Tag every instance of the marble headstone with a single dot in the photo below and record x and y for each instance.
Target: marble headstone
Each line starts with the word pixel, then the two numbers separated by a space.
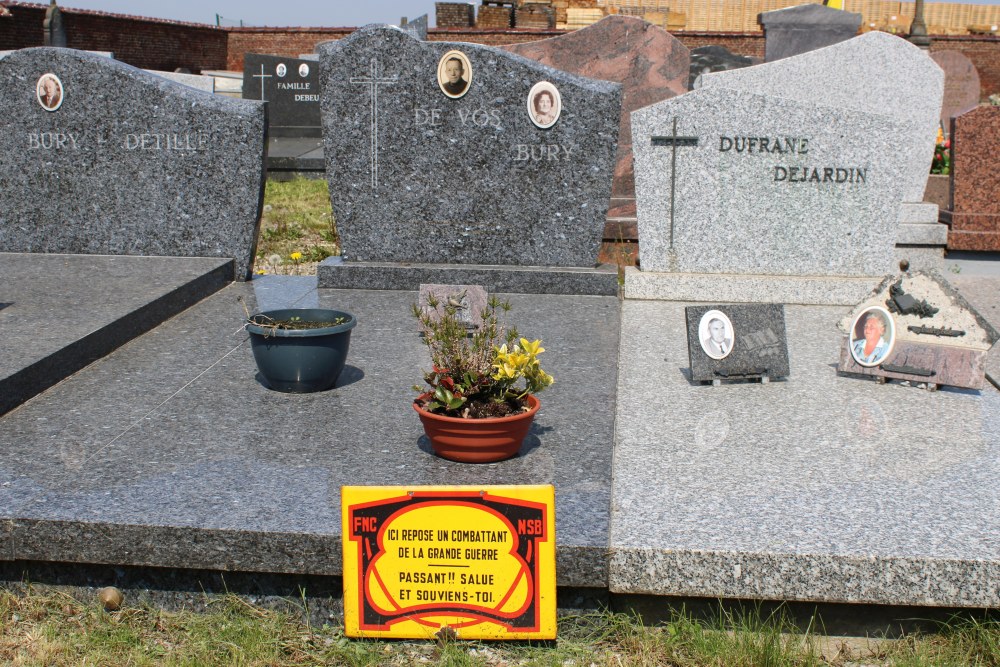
pixel 875 73
pixel 290 86
pixel 729 182
pixel 125 163
pixel 794 30
pixel 417 175
pixel 961 84
pixel 975 181
pixel 650 63
pixel 752 343
pixel 714 58
pixel 929 334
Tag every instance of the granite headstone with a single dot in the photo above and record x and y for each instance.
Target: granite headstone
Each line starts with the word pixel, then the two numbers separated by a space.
pixel 417 27
pixel 290 86
pixel 961 84
pixel 471 176
pixel 975 181
pixel 54 32
pixel 469 302
pixel 729 182
pixel 794 30
pixel 714 58
pixel 650 63
pixel 736 342
pixel 875 73
pixel 919 330
pixel 102 158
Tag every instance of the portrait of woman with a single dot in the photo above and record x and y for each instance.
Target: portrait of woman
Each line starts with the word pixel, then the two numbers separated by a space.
pixel 873 334
pixel 49 90
pixel 454 74
pixel 715 331
pixel 544 104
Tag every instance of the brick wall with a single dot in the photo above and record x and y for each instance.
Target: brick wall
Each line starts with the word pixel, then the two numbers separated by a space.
pixel 750 44
pixel 454 14
pixel 138 41
pixel 983 51
pixel 493 18
pixel 290 42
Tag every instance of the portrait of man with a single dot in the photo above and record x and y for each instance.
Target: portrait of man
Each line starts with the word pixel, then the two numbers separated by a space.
pixel 49 90
pixel 303 70
pixel 716 334
pixel 544 104
pixel 872 336
pixel 454 74
pixel 281 70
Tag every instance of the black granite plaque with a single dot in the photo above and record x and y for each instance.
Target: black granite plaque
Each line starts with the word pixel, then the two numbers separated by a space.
pixel 290 86
pixel 737 342
pixel 707 59
pixel 100 158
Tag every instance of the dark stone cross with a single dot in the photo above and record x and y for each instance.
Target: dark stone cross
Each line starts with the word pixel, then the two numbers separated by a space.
pixel 262 76
pixel 373 81
pixel 674 141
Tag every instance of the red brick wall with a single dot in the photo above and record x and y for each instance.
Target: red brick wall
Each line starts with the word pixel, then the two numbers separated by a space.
pixel 290 42
pixel 983 51
pixel 142 42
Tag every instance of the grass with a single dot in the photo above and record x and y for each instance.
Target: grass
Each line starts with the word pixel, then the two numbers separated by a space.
pixel 297 228
pixel 52 628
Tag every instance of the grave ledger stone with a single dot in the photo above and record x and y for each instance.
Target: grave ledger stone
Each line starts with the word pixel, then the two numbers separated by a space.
pixel 794 30
pixel 290 86
pixel 728 182
pixel 974 220
pixel 878 74
pixel 472 171
pixel 736 342
pixel 99 157
pixel 961 84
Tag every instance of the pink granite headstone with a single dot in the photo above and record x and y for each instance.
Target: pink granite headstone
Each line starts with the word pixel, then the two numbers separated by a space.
pixel 975 181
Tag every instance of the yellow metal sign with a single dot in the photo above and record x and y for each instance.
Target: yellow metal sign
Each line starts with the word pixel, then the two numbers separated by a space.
pixel 480 560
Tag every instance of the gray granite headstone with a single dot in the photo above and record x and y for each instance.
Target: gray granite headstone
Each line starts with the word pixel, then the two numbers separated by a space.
pixel 129 163
pixel 203 83
pixel 418 176
pixel 728 182
pixel 417 27
pixel 876 73
pixel 54 30
pixel 714 58
pixel 751 341
pixel 961 85
pixel 290 86
pixel 794 30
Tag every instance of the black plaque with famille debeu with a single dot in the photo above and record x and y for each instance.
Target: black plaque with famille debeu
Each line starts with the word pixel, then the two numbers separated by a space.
pixel 728 343
pixel 290 86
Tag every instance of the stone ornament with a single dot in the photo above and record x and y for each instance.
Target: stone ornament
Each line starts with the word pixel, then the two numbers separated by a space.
pixel 715 331
pixel 544 104
pixel 873 335
pixel 454 74
pixel 49 90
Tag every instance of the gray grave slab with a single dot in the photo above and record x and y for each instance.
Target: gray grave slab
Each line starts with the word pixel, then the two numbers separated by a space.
pixel 128 164
pixel 294 154
pixel 795 30
pixel 61 312
pixel 417 176
pixel 820 487
pixel 206 84
pixel 170 452
pixel 876 73
pixel 722 200
pixel 290 86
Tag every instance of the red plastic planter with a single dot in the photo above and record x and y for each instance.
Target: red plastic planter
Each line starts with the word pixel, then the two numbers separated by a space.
pixel 477 440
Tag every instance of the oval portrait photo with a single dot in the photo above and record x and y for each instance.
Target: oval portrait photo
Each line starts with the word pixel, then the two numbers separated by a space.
pixel 715 331
pixel 872 336
pixel 454 74
pixel 544 104
pixel 50 91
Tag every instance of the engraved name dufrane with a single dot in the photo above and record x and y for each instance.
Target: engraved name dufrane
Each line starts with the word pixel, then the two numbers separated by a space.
pixel 788 173
pixel 131 141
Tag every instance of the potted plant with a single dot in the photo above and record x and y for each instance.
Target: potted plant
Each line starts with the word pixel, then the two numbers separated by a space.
pixel 480 400
pixel 300 350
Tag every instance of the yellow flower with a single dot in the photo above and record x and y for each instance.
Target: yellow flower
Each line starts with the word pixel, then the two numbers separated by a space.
pixel 295 256
pixel 532 349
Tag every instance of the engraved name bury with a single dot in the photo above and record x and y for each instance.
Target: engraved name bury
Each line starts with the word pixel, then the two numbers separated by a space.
pixel 131 141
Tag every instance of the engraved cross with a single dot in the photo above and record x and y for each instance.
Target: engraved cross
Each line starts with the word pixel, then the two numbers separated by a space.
pixel 674 141
pixel 373 81
pixel 262 76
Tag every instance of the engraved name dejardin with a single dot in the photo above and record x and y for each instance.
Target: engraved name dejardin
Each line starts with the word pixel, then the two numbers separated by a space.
pixel 792 146
pixel 146 141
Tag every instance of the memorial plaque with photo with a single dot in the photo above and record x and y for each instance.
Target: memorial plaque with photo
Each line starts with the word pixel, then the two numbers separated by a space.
pixel 290 86
pixel 469 301
pixel 737 342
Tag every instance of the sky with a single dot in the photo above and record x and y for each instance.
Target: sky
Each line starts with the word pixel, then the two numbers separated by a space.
pixel 329 14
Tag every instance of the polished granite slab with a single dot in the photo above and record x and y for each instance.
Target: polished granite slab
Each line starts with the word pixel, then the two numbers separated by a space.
pixel 171 453
pixel 819 487
pixel 62 312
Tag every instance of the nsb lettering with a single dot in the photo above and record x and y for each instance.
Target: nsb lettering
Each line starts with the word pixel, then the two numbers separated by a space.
pixel 52 140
